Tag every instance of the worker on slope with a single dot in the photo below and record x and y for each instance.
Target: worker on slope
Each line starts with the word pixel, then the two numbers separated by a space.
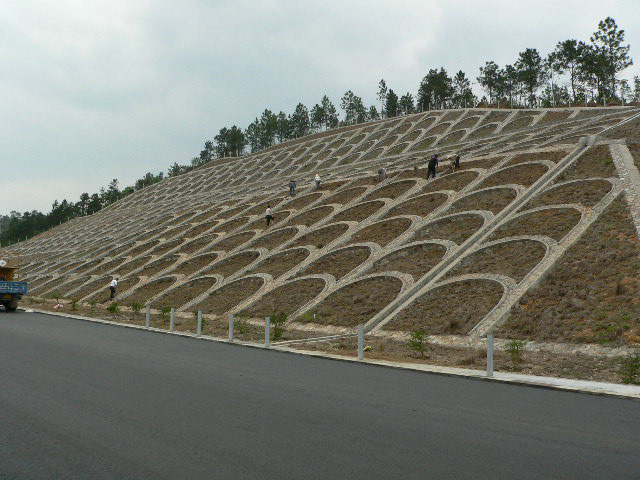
pixel 432 165
pixel 112 288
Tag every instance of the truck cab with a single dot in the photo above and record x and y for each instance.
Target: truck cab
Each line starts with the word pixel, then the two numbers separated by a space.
pixel 11 290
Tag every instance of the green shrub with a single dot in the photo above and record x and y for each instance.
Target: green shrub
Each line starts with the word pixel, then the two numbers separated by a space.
pixel 92 304
pixel 515 348
pixel 418 341
pixel 278 319
pixel 136 307
pixel 164 312
pixel 630 369
pixel 74 304
pixel 113 307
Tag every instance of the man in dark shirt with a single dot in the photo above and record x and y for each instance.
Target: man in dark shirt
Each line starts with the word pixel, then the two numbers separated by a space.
pixel 456 162
pixel 431 167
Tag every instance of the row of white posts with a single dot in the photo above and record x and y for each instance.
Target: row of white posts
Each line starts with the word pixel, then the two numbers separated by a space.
pixel 267 334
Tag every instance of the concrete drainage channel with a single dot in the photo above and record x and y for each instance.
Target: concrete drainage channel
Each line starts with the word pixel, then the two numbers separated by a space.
pixel 581 386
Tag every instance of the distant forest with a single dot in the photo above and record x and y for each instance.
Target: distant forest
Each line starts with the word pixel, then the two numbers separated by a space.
pixel 575 73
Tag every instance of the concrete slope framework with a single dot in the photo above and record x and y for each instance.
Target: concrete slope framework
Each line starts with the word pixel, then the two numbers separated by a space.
pixel 454 255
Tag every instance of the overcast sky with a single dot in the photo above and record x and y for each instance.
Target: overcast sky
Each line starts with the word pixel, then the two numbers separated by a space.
pixel 92 90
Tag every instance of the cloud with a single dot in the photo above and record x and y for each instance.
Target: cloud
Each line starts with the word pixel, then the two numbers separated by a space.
pixel 99 89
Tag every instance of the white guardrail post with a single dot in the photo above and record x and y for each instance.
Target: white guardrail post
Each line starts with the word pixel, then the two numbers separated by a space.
pixel 199 329
pixel 490 354
pixel 361 341
pixel 231 327
pixel 267 332
pixel 148 321
pixel 172 321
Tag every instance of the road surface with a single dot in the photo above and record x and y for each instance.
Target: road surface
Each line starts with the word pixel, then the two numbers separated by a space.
pixel 83 400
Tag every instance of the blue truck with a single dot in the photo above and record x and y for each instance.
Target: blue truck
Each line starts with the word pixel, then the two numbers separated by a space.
pixel 11 291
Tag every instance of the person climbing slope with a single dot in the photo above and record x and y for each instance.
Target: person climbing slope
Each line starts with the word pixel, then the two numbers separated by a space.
pixel 432 165
pixel 269 215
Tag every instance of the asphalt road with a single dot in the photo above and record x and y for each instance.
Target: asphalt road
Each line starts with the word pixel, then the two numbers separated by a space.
pixel 81 400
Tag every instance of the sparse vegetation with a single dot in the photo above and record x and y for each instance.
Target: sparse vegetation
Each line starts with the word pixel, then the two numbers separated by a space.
pixel 515 349
pixel 113 308
pixel 630 368
pixel 417 342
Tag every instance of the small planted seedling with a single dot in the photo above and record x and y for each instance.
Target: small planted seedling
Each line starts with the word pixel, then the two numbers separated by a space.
pixel 630 369
pixel 515 348
pixel 418 342
pixel 136 307
pixel 74 304
pixel 113 308
pixel 278 319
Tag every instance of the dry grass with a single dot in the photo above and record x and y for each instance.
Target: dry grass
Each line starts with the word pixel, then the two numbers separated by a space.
pixel 198 243
pixel 159 265
pixel 554 223
pixel 338 263
pixel 524 175
pixel 421 205
pixel 142 294
pixel 231 265
pixel 286 298
pixel 493 200
pixel 415 260
pixel 514 259
pixel 457 229
pixel 357 302
pixel 454 181
pixel 451 309
pixel 585 193
pixel 194 264
pixel 184 293
pixel 630 130
pixel 225 298
pixel 554 117
pixel 233 241
pixel 383 232
pixel 281 262
pixel 322 236
pixel 467 122
pixel 312 216
pixel 482 131
pixel 452 137
pixel 359 212
pixel 392 191
pixel 345 196
pixel 275 239
pixel 518 123
pixel 132 265
pixel 593 292
pixel 595 162
pixel 554 156
pixel 166 246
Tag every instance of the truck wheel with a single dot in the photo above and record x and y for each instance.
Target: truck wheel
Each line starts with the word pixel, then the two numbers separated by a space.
pixel 11 305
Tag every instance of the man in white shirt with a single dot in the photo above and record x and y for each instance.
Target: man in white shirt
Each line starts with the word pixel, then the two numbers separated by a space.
pixel 317 181
pixel 269 215
pixel 112 287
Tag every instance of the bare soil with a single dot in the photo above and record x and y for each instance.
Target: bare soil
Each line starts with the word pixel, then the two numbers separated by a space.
pixel 198 243
pixel 231 212
pixel 159 265
pixel 144 293
pixel 518 123
pixel 91 286
pixel 280 263
pixel 595 162
pixel 421 205
pixel 198 229
pixel 482 131
pixel 425 123
pixel 634 149
pixel 587 193
pixel 554 223
pixel 457 229
pixel 415 260
pixel 454 308
pixel 286 298
pixel 514 259
pixel 483 163
pixel 581 367
pixel 554 117
pixel 356 303
pixel 592 294
pixel 102 296
pixel 554 156
pixel 411 137
pixel 493 200
pixel 231 265
pixel 454 181
pixel 109 267
pixel 338 263
pixel 231 242
pixel 524 175
pixel 396 149
pixel 467 122
pixel 206 215
pixel 363 147
pixel 495 116
pixel 312 216
pixel 359 212
pixel 392 191
pixel 194 264
pixel 343 150
pixel 424 144
pixel 166 246
pixel 85 267
pixel 225 298
pixel 439 128
pixel 349 159
pixel 184 293
pixel 630 130
pixel 61 289
pixel 322 236
pixel 452 137
pixel 132 265
pixel 300 202
pixel 383 232
pixel 345 196
pixel 356 139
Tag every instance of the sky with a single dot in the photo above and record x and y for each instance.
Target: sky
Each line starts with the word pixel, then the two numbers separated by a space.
pixel 92 90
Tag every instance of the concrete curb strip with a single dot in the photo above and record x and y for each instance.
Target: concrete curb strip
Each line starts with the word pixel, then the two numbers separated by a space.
pixel 565 384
